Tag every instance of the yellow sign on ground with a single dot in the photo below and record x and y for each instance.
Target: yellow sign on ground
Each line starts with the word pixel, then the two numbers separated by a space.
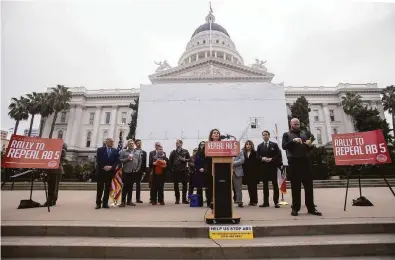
pixel 231 232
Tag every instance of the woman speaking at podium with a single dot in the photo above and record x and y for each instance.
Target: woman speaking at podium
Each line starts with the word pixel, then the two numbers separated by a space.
pixel 215 135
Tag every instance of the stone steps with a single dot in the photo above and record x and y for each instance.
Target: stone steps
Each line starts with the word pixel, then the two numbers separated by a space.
pixel 200 248
pixel 169 186
pixel 189 240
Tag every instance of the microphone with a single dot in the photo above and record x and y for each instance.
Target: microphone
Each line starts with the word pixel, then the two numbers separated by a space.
pixel 227 136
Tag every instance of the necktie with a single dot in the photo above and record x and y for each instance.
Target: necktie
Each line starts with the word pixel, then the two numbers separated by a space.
pixel 266 145
pixel 108 152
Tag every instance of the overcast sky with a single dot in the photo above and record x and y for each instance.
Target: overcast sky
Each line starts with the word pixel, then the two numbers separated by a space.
pixel 113 44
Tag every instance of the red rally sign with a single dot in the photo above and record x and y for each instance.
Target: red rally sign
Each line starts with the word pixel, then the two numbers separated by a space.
pixel 222 148
pixel 360 148
pixel 32 152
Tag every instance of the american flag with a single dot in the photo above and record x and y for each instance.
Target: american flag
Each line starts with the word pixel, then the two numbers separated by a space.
pixel 281 177
pixel 116 184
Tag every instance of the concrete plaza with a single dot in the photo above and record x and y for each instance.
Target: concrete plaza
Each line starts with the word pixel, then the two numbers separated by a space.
pixel 77 207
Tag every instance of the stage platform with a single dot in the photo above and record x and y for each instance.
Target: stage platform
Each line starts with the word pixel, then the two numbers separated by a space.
pixel 74 228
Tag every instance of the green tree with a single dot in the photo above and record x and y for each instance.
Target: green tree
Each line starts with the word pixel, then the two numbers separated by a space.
pixel 61 97
pixel 388 99
pixel 364 118
pixel 300 109
pixel 368 119
pixel 133 122
pixel 18 111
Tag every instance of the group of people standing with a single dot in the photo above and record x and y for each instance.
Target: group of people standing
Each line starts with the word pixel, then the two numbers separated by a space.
pixel 250 167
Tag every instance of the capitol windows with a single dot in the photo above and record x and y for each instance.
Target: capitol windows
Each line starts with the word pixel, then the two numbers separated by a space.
pixel 88 139
pixel 107 118
pixel 332 115
pixel 217 41
pixel 105 136
pixel 123 117
pixel 204 41
pixel 334 130
pixel 91 117
pixel 315 115
pixel 63 117
pixel 319 136
pixel 60 134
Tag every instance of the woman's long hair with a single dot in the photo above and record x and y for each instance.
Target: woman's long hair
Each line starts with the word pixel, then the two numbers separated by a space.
pixel 200 150
pixel 252 146
pixel 211 133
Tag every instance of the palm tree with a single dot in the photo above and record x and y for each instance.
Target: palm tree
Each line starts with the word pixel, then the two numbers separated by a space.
pixel 388 100
pixel 61 97
pixel 351 103
pixel 18 111
pixel 33 107
pixel 46 109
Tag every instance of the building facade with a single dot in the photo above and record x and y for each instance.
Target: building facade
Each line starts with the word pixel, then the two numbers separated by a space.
pixel 210 60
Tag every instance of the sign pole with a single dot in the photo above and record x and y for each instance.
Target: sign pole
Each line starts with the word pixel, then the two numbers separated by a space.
pixel 45 188
pixel 348 182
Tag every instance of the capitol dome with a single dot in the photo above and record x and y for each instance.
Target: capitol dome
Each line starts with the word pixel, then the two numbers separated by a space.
pixel 221 47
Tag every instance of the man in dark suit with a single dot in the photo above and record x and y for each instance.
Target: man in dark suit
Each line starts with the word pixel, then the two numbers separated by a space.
pixel 142 170
pixel 107 159
pixel 270 155
pixel 298 143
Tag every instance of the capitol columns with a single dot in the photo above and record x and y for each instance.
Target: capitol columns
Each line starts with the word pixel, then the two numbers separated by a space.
pixel 96 126
pixel 76 135
pixel 114 122
pixel 327 122
pixel 70 123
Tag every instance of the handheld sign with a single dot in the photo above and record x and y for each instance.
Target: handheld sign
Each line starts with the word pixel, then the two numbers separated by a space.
pixel 360 148
pixel 33 152
pixel 231 232
pixel 222 148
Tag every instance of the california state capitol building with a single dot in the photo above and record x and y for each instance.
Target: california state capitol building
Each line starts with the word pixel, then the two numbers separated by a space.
pixel 210 87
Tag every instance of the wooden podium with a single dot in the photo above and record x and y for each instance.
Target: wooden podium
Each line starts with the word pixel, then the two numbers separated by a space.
pixel 222 165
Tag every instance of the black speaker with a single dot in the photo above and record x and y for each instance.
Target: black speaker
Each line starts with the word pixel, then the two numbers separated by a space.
pixel 222 190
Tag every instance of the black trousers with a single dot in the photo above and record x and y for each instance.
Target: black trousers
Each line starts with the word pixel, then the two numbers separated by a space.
pixel 103 186
pixel 177 190
pixel 180 177
pixel 253 192
pixel 300 172
pixel 157 187
pixel 128 179
pixel 138 186
pixel 276 193
pixel 53 187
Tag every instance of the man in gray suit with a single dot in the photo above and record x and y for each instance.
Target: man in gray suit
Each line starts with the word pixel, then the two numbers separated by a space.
pixel 237 177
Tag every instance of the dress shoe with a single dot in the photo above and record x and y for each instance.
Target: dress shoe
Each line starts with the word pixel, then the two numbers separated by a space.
pixel 97 207
pixel 294 213
pixel 315 212
pixel 277 206
pixel 106 207
pixel 139 201
pixel 240 205
pixel 162 203
pixel 185 202
pixel 264 205
pixel 177 202
pixel 122 205
pixel 153 203
pixel 131 204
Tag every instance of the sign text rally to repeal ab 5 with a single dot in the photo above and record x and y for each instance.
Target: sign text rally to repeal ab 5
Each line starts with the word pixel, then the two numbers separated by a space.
pixel 33 152
pixel 360 148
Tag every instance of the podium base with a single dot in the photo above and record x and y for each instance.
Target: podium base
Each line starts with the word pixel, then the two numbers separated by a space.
pixel 210 219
